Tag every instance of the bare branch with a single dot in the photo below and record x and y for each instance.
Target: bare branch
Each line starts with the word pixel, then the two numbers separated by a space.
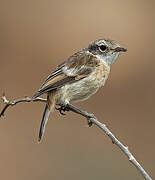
pixel 91 118
pixel 16 101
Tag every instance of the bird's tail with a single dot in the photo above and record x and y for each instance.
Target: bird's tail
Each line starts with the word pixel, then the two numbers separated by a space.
pixel 48 108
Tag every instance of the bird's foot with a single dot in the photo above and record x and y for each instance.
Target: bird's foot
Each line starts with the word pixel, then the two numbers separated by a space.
pixel 62 109
pixel 90 123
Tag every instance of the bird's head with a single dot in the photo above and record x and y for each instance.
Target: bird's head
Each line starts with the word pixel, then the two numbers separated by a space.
pixel 106 49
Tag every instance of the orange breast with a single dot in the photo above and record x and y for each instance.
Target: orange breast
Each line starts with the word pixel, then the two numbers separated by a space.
pixel 102 73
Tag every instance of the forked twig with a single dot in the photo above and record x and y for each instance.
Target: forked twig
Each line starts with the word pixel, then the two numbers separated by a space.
pixel 91 118
pixel 16 101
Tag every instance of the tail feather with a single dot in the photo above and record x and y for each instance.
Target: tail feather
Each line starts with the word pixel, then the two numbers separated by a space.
pixel 48 108
pixel 43 122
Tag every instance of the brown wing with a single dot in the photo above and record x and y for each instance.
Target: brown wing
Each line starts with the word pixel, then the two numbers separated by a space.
pixel 78 66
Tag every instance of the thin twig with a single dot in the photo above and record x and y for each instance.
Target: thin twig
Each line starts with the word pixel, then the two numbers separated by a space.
pixel 16 101
pixel 91 118
pixel 103 127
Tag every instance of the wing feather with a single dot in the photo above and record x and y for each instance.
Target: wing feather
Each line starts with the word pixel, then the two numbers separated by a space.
pixel 78 66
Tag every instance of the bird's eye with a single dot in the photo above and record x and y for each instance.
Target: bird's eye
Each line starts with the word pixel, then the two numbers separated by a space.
pixel 102 48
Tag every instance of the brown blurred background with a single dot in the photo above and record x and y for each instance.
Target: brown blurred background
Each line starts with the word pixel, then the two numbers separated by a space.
pixel 35 36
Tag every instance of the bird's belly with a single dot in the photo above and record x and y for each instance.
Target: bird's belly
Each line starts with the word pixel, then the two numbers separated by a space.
pixel 81 89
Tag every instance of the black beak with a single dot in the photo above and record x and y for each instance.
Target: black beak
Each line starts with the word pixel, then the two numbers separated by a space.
pixel 120 49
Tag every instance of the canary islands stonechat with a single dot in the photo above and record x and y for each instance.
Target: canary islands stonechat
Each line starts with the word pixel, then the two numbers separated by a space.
pixel 79 77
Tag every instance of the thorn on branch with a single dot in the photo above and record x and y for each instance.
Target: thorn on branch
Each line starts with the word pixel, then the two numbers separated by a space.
pixel 4 99
pixel 126 148
pixel 131 158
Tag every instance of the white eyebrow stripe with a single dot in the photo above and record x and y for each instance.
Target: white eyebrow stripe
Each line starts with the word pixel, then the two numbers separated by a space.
pixel 102 42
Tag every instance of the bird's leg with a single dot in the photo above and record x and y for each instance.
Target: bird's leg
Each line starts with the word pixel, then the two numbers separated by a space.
pixel 70 107
pixel 63 108
pixel 89 122
pixel 81 112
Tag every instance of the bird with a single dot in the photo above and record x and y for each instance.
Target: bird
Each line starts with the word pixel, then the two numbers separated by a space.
pixel 78 77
